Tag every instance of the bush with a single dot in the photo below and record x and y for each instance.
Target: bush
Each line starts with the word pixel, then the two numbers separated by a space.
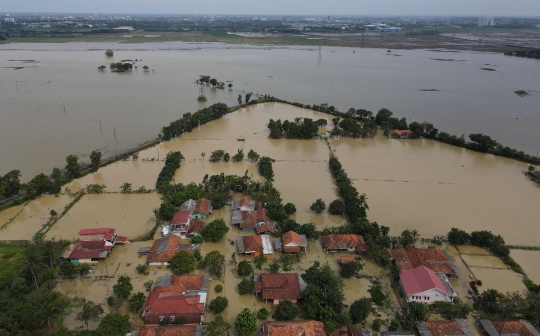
pixel 458 237
pixel 197 255
pixel 218 304
pixel 215 230
pixel 259 261
pixel 245 287
pixel 337 207
pixel 318 206
pixel 141 268
pixel 123 287
pixel 376 325
pixel 111 301
pixel 289 208
pixel 360 310
pixel 136 302
pixel 182 263
pixel 350 269
pixel 263 313
pixel 286 310
pixel 244 268
pixel 196 240
pixel 394 325
pixel 218 288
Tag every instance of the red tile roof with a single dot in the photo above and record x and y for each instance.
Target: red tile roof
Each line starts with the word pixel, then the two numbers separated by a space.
pixel 166 255
pixel 346 259
pixel 266 227
pixel 348 330
pixel 170 330
pixel 169 303
pixel 420 279
pixel 96 231
pixel 434 259
pixel 284 286
pixel 89 249
pixel 202 206
pixel 291 242
pixel 195 226
pixel 253 243
pixel 181 217
pixel 293 328
pixel 182 283
pixel 444 328
pixel 402 132
pixel 244 202
pixel 516 327
pixel 331 242
pixel 230 194
pixel 250 219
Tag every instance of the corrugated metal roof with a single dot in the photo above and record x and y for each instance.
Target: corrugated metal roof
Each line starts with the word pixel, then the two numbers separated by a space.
pixel 449 289
pixel 163 281
pixel 278 244
pixel 303 239
pixel 240 244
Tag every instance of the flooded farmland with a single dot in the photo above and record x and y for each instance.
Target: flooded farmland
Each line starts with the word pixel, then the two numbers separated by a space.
pixel 528 260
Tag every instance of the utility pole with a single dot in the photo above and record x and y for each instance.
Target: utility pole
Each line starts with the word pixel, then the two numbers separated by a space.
pixel 319 58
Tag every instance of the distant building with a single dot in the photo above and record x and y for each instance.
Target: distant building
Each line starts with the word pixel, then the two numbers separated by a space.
pixel 457 327
pixel 422 285
pixel 436 260
pixel 89 251
pixel 388 29
pixel 293 328
pixel 343 243
pixel 350 330
pixel 402 134
pixel 298 26
pixel 254 220
pixel 486 21
pixel 124 28
pixel 107 234
pixel 509 327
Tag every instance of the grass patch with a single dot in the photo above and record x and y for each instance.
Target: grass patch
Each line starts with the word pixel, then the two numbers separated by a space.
pixel 521 93
pixel 377 295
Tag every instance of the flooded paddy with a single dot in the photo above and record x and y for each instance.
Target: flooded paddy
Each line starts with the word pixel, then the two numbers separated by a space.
pixel 483 261
pixel 9 214
pixel 529 261
pixel 503 280
pixel 33 216
pixel 130 214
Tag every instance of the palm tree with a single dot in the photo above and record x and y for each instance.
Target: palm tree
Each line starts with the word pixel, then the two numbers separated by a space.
pixel 363 198
pixel 135 156
pixel 47 249
pixel 32 257
pixel 126 187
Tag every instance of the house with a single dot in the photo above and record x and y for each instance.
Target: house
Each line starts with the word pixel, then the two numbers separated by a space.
pixel 188 205
pixel 195 228
pixel 87 251
pixel 257 221
pixel 343 243
pixel 457 327
pixel 402 134
pixel 291 242
pixel 347 259
pixel 230 194
pixel 172 330
pixel 509 327
pixel 422 285
pixel 165 248
pixel 176 297
pixel 535 173
pixel 293 328
pixel 106 234
pixel 255 245
pixel 243 204
pixel 203 208
pixel 350 330
pixel 180 222
pixel 277 287
pixel 435 259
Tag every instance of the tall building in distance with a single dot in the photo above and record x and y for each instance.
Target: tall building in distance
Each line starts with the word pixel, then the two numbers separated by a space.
pixel 485 21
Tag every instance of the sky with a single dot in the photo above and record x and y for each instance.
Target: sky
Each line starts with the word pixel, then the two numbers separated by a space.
pixel 281 7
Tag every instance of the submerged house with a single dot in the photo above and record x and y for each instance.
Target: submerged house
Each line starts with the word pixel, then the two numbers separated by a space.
pixel 402 134
pixel 196 227
pixel 350 330
pixel 243 204
pixel 343 243
pixel 457 327
pixel 179 224
pixel 277 287
pixel 176 297
pixel 107 234
pixel 203 208
pixel 291 242
pixel 436 260
pixel 509 327
pixel 255 220
pixel 172 330
pixel 88 251
pixel 255 245
pixel 293 328
pixel 422 285
pixel 165 248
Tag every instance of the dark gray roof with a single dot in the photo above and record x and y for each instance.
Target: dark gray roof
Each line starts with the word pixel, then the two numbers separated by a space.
pixel 451 261
pixel 163 281
pixel 303 240
pixel 449 289
pixel 144 250
pixel 236 217
pixel 240 244
pixel 163 243
pixel 278 244
pixel 188 205
pixel 365 332
pixel 206 280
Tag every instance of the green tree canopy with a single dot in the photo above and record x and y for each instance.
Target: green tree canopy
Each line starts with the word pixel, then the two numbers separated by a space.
pixel 245 286
pixel 136 302
pixel 218 304
pixel 350 269
pixel 318 206
pixel 286 310
pixel 244 268
pixel 73 167
pixel 215 230
pixel 245 323
pixel 95 158
pixel 458 237
pixel 89 311
pixel 337 207
pixel 289 208
pixel 114 324
pixel 218 327
pixel 182 263
pixel 123 287
pixel 360 310
pixel 214 261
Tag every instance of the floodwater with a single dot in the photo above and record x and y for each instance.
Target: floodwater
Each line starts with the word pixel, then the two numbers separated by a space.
pixel 503 280
pixel 33 217
pixel 484 261
pixel 130 214
pixel 432 187
pixel 528 260
pixel 69 107
pixel 10 214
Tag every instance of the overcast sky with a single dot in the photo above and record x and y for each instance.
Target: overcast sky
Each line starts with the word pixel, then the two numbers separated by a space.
pixel 291 7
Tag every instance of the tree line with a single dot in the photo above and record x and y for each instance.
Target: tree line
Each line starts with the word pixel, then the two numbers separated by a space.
pixel 190 121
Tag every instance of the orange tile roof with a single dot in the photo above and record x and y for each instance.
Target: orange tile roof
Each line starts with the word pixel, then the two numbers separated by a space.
pixel 348 330
pixel 346 259
pixel 291 237
pixel 202 206
pixel 284 286
pixel 244 202
pixel 250 219
pixel 170 330
pixel 293 328
pixel 166 255
pixel 253 243
pixel 266 227
pixel 516 327
pixel 444 328
pixel 434 259
pixel 195 226
pixel 402 132
pixel 331 242
pixel 182 283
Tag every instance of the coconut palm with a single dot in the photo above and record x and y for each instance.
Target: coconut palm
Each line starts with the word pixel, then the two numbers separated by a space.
pixel 126 187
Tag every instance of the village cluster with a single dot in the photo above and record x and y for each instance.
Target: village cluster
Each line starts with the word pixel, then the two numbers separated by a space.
pixel 424 275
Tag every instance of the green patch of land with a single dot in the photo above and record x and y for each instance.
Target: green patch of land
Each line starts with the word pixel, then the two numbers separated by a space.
pixel 521 93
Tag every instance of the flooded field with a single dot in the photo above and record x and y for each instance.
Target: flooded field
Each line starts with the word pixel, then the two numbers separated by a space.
pixel 9 214
pixel 120 111
pixel 33 217
pixel 130 214
pixel 529 261
pixel 503 280
pixel 432 187
pixel 483 261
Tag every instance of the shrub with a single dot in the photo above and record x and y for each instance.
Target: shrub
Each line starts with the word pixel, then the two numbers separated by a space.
pixel 289 208
pixel 263 313
pixel 318 206
pixel 218 288
pixel 218 304
pixel 286 310
pixel 182 263
pixel 360 310
pixel 337 207
pixel 136 302
pixel 376 325
pixel 244 268
pixel 196 240
pixel 141 268
pixel 245 287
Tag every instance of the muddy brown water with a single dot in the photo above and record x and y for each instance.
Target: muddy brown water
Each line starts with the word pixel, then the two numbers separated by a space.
pixel 528 260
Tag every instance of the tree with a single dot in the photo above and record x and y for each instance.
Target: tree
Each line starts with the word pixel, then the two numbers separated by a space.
pixel 483 142
pixel 218 327
pixel 245 286
pixel 265 167
pixel 239 156
pixel 289 208
pixel 146 67
pixel 248 97
pixel 318 206
pixel 213 82
pixel 218 288
pixel 89 311
pixel 218 304
pixel 215 230
pixel 126 188
pixel 394 272
pixel 274 267
pixel 83 269
pixel 148 285
pixel 458 237
pixel 259 261
pixel 226 157
pixel 214 261
pixel 114 324
pixel 136 302
pixel 253 155
pixel 245 323
pixel 350 269
pixel 263 313
pixel 73 167
pixel 408 238
pixel 376 326
pixel 321 122
pixel 286 310
pixel 360 310
pixel 230 86
pixel 244 268
pixel 203 154
pixel 182 263
pixel 383 116
pixel 123 287
pixel 109 53
pixel 456 309
pixel 337 207
pixel 67 270
pixel 414 312
pixel 135 157
pixel 95 158
pixel 394 325
pixel 197 240
pixel 240 99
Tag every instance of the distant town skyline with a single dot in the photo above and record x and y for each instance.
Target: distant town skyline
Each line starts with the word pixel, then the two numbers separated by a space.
pixel 280 7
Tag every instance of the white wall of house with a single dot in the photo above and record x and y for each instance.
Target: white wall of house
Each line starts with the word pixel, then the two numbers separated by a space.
pixel 429 297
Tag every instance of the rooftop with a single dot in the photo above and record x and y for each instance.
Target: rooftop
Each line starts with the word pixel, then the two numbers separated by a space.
pixel 165 248
pixel 336 242
pixel 195 226
pixel 181 217
pixel 171 330
pixel 293 328
pixel 203 206
pixel 284 286
pixel 434 259
pixel 444 328
pixel 420 279
pixel 350 330
pixel 509 327
pixel 97 231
